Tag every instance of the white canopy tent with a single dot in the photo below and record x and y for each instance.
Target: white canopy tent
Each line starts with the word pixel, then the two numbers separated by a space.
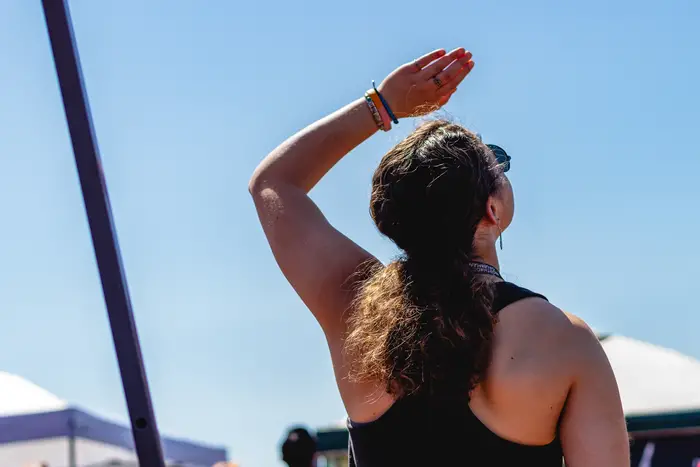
pixel 660 390
pixel 19 396
pixel 39 428
pixel 652 379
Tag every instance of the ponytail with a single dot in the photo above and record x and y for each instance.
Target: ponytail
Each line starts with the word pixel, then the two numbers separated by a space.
pixel 422 324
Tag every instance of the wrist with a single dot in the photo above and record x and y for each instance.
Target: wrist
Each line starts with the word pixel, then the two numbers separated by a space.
pixel 385 104
pixel 379 112
pixel 369 122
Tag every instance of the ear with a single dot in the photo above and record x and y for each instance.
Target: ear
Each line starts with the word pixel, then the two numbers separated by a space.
pixel 492 212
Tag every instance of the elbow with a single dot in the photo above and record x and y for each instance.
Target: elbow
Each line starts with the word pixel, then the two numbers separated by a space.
pixel 260 184
pixel 253 185
pixel 256 182
pixel 266 177
pixel 263 176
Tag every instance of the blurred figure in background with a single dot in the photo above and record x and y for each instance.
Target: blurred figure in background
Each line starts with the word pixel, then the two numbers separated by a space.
pixel 299 448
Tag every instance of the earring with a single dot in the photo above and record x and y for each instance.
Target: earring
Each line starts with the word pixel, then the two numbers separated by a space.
pixel 500 233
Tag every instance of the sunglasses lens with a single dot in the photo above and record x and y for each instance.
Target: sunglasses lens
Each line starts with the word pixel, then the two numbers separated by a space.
pixel 502 158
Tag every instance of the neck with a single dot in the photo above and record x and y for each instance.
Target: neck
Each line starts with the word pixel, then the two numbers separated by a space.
pixel 487 255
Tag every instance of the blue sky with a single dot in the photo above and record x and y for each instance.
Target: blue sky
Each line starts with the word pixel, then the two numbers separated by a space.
pixel 597 103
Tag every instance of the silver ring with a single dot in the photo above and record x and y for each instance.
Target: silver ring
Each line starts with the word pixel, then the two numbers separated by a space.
pixel 437 81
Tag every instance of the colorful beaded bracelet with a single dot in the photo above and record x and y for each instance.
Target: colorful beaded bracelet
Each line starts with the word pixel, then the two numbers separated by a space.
pixel 375 112
pixel 380 108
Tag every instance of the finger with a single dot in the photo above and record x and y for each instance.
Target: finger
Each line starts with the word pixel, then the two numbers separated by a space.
pixel 451 72
pixel 426 60
pixel 439 65
pixel 453 78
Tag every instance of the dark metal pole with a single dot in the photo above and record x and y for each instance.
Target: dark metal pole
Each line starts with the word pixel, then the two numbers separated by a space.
pixel 104 239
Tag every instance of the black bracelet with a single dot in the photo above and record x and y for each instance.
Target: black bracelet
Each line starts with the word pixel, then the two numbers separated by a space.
pixel 386 105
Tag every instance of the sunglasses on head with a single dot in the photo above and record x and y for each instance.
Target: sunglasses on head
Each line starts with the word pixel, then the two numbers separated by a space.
pixel 502 157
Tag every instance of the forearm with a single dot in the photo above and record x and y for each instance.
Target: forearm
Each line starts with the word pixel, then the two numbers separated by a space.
pixel 307 156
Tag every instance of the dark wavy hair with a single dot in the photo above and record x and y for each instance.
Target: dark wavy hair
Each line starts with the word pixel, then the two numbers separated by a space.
pixel 423 323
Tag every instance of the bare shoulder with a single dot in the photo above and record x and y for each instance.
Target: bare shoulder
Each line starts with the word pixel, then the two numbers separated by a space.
pixel 542 330
pixel 539 354
pixel 582 340
pixel 536 317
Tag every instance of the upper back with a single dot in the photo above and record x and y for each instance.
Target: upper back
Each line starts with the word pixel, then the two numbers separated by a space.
pixel 529 375
pixel 512 415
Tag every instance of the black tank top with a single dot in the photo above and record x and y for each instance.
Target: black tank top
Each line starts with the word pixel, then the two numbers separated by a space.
pixel 424 431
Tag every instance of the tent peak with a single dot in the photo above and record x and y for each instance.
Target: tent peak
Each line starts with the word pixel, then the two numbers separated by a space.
pixel 19 396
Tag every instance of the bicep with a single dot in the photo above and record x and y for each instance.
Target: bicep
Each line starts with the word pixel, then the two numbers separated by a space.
pixel 317 260
pixel 593 429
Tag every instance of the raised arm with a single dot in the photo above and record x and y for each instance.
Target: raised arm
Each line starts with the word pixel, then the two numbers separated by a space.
pixel 317 259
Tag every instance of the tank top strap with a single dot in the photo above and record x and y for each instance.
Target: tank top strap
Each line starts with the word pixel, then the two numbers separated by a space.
pixel 507 293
